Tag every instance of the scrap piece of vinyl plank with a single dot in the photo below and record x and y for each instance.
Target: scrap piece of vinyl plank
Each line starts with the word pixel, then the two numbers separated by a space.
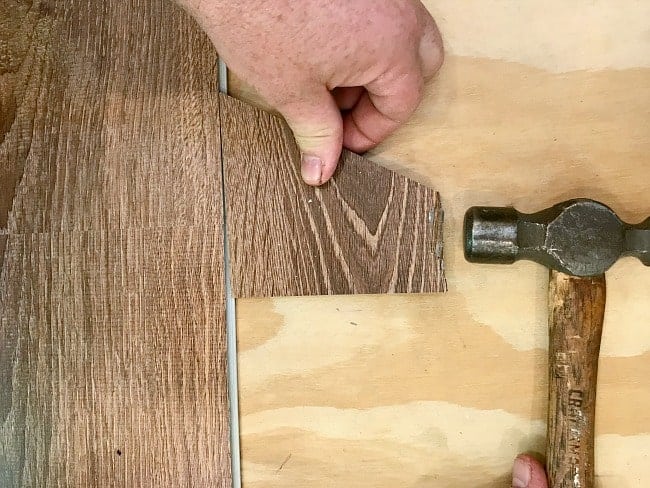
pixel 367 231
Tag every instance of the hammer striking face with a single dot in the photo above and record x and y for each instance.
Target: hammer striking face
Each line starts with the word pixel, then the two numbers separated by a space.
pixel 578 237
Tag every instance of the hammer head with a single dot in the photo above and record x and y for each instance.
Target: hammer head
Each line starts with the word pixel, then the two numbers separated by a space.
pixel 579 237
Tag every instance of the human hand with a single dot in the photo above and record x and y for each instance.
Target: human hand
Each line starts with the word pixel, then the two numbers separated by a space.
pixel 527 472
pixel 314 59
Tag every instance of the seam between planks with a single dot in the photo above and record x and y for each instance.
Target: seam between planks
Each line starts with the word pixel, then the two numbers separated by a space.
pixel 230 310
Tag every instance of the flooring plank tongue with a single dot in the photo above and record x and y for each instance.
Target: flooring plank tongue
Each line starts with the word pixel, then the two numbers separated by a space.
pixel 369 230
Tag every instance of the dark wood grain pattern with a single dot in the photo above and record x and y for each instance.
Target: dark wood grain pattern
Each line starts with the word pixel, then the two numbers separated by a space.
pixel 112 341
pixel 367 231
pixel 577 309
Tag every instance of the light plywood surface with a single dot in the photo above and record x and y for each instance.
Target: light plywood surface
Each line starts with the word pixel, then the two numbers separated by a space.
pixel 112 330
pixel 537 102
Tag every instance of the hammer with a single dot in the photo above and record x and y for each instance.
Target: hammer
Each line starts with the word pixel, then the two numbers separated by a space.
pixel 579 240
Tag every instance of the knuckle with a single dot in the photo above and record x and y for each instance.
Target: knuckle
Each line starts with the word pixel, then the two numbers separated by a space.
pixel 437 57
pixel 408 95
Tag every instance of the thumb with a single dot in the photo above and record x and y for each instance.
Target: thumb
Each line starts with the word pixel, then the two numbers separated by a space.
pixel 527 472
pixel 318 128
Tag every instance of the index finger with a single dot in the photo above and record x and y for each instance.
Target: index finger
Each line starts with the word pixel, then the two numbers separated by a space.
pixel 388 102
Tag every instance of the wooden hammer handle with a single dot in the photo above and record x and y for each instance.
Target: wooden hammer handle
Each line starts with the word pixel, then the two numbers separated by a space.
pixel 577 308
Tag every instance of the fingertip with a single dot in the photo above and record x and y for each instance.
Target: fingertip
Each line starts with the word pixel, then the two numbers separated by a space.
pixel 311 169
pixel 329 166
pixel 528 472
pixel 521 472
pixel 316 171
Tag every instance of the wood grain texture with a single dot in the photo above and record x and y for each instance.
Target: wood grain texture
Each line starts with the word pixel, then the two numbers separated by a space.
pixel 576 313
pixel 112 340
pixel 369 230
pixel 444 390
pixel 116 376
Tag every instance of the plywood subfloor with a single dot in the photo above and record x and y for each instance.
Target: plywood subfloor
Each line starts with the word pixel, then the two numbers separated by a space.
pixel 444 390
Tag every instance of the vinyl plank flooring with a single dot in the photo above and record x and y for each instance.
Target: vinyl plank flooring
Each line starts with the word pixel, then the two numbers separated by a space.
pixel 112 337
pixel 114 123
pixel 369 230
pixel 116 376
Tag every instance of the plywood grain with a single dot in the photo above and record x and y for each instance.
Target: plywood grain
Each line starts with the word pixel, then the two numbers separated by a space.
pixel 537 102
pixel 112 340
pixel 369 230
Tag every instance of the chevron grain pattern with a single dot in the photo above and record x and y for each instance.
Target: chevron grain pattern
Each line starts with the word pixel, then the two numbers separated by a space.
pixel 369 230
